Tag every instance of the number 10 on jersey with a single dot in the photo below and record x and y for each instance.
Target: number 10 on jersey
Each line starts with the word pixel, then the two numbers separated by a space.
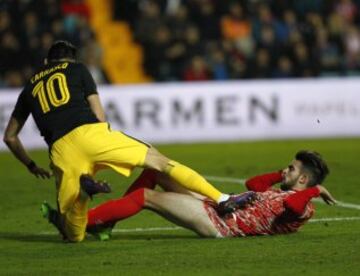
pixel 45 90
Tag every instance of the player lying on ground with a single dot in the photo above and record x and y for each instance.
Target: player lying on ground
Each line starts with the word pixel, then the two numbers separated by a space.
pixel 63 100
pixel 264 210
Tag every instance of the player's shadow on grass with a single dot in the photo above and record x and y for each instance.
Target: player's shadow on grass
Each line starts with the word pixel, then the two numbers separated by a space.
pixel 30 237
pixel 51 238
pixel 139 236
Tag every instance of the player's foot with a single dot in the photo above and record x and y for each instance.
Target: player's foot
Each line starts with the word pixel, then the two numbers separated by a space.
pixel 101 231
pixel 92 187
pixel 53 217
pixel 245 198
pixel 236 202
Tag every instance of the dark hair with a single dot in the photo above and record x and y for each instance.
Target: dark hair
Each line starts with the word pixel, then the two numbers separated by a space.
pixel 315 164
pixel 61 49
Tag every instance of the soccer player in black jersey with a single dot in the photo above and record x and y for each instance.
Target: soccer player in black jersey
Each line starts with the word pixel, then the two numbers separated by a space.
pixel 63 100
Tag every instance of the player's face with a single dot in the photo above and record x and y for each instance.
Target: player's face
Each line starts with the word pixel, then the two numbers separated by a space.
pixel 291 174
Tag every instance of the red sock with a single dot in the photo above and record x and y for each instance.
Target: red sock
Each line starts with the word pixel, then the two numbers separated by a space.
pixel 115 210
pixel 147 179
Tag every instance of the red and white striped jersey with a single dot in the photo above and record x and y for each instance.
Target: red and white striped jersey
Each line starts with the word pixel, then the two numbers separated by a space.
pixel 268 215
pixel 273 212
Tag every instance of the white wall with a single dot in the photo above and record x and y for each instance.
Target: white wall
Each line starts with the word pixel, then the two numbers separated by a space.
pixel 221 111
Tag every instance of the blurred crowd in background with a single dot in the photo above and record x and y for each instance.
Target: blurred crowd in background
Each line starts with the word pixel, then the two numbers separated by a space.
pixel 191 40
pixel 29 27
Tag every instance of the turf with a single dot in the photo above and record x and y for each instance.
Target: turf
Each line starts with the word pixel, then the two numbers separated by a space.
pixel 30 246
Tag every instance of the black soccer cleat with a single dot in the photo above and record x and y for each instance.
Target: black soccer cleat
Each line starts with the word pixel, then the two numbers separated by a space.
pixel 244 199
pixel 92 187
pixel 236 202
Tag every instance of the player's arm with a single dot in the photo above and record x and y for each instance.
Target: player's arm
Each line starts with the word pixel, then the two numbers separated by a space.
pixel 91 94
pixel 96 107
pixel 297 202
pixel 13 142
pixel 261 183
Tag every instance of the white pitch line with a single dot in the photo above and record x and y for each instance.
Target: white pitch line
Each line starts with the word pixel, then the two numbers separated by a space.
pixel 340 204
pixel 242 181
pixel 348 205
pixel 176 228
pixel 225 179
pixel 334 219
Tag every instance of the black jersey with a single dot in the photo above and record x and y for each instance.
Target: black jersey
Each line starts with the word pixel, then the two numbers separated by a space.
pixel 56 98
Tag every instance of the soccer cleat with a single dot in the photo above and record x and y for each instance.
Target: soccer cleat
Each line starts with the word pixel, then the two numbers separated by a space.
pixel 92 187
pixel 245 198
pixel 236 202
pixel 101 231
pixel 53 217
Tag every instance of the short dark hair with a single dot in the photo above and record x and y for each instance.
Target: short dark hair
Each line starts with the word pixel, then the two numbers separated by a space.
pixel 61 49
pixel 315 164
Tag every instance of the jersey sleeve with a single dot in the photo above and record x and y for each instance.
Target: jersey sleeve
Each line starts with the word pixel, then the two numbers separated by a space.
pixel 88 82
pixel 21 110
pixel 298 201
pixel 263 182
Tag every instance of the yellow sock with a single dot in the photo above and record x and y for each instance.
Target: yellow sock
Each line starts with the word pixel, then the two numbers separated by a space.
pixel 76 219
pixel 191 180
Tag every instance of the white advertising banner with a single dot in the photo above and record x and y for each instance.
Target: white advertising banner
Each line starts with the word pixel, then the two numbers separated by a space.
pixel 221 111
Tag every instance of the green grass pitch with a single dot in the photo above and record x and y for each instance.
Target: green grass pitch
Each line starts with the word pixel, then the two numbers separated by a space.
pixel 30 246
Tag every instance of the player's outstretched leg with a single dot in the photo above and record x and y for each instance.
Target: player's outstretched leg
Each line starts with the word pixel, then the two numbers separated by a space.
pixel 183 175
pixel 183 210
pixel 102 218
pixel 116 210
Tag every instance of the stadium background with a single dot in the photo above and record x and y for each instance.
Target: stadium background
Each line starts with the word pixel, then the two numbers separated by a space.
pixel 140 41
pixel 159 66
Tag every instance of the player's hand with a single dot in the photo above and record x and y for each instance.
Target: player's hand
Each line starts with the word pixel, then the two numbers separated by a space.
pixel 326 196
pixel 39 172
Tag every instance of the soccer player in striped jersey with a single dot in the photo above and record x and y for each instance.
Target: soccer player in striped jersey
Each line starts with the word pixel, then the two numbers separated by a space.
pixel 263 210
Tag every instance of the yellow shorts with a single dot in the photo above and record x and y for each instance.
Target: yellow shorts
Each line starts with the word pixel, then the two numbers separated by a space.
pixel 87 149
